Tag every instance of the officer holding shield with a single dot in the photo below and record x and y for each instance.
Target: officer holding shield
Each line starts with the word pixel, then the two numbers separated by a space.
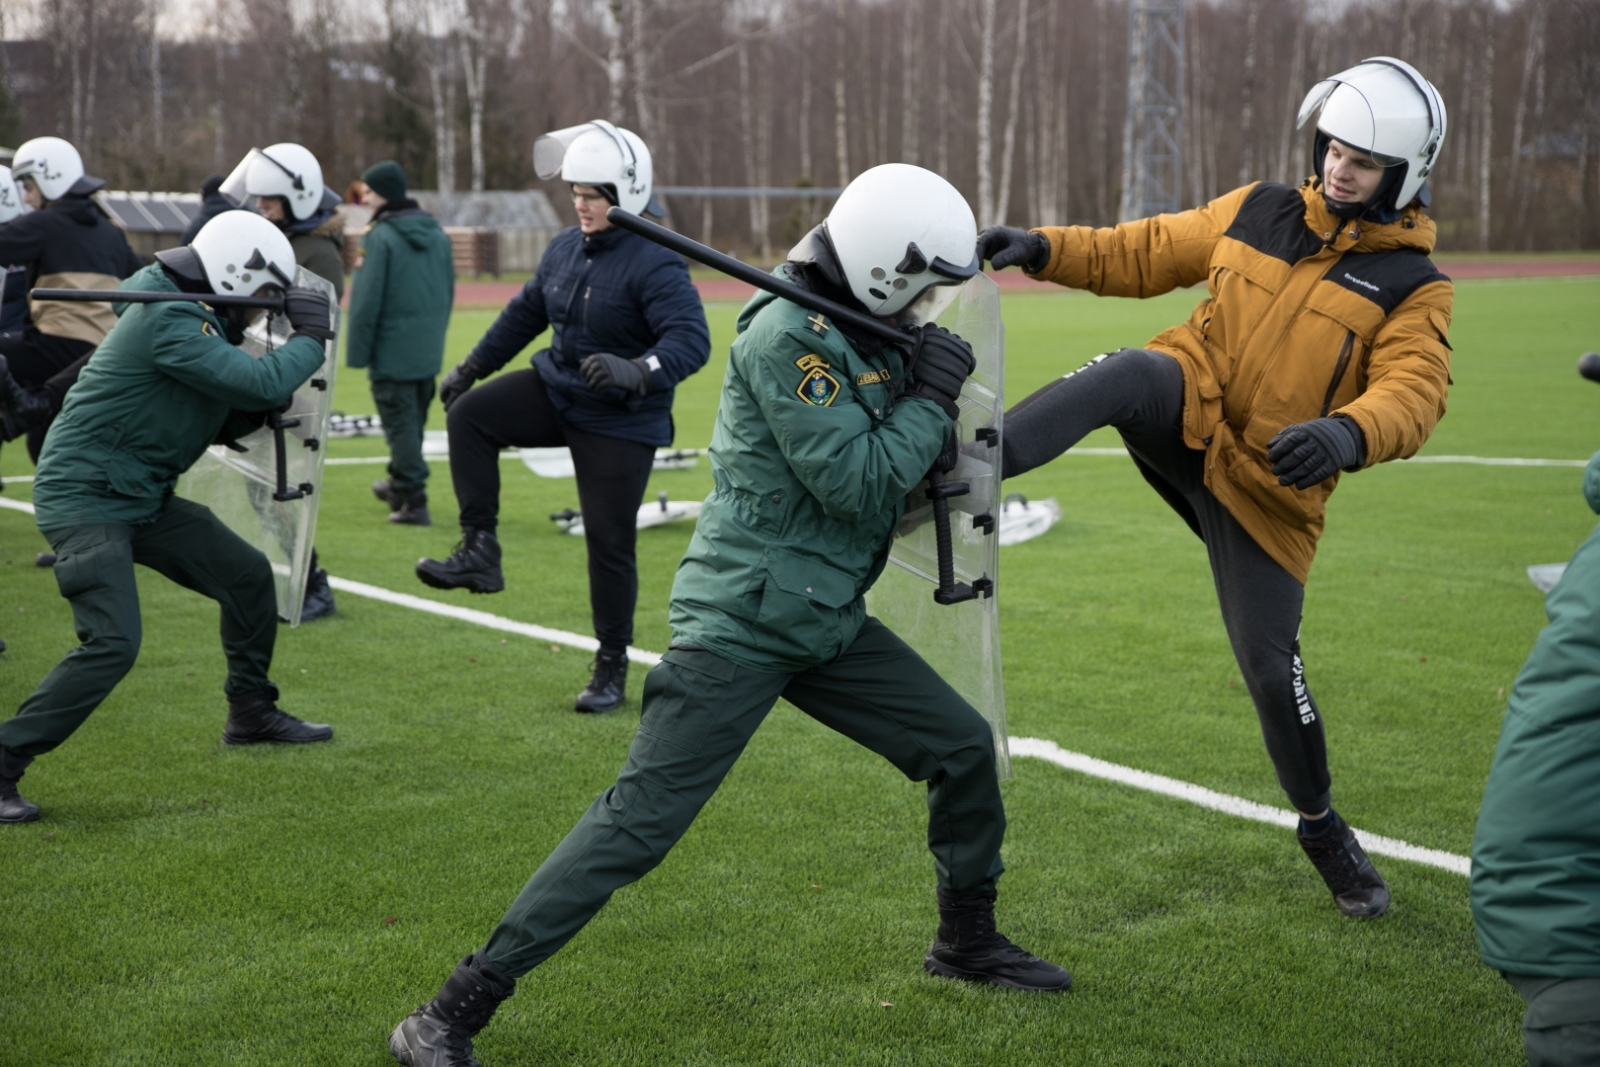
pixel 166 383
pixel 820 435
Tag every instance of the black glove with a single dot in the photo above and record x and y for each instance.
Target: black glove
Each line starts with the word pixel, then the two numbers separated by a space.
pixel 942 364
pixel 307 312
pixel 1007 246
pixel 460 379
pixel 605 371
pixel 1308 453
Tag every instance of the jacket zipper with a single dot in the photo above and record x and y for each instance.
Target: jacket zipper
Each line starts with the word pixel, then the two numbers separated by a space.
pixel 1338 371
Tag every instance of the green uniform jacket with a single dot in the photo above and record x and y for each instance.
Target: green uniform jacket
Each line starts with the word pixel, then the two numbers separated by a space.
pixel 400 298
pixel 1536 855
pixel 813 455
pixel 156 393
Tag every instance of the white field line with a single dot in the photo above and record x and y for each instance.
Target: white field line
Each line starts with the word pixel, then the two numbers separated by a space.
pixel 1482 461
pixel 17 478
pixel 1031 747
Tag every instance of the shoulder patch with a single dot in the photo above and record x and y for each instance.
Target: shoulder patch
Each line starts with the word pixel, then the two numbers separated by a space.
pixel 1272 220
pixel 818 388
pixel 872 377
pixel 811 360
pixel 208 329
pixel 1385 278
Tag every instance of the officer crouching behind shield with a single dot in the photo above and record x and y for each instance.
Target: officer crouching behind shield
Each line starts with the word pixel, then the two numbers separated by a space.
pixel 166 383
pixel 626 327
pixel 820 435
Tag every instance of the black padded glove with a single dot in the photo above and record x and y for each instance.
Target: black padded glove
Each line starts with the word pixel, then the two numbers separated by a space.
pixel 460 379
pixel 1308 453
pixel 602 370
pixel 308 312
pixel 1007 246
pixel 943 363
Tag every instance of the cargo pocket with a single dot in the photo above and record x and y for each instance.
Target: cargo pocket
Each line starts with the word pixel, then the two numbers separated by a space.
pixel 683 695
pixel 802 606
pixel 83 567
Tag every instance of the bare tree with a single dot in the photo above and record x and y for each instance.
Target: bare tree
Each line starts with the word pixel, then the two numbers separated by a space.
pixel 1247 112
pixel 841 123
pixel 986 117
pixel 1013 109
pixel 910 83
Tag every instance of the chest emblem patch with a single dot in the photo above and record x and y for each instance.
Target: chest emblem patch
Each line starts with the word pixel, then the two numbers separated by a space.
pixel 872 377
pixel 818 387
pixel 209 330
pixel 811 360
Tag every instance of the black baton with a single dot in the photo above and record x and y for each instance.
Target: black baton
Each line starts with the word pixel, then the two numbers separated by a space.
pixel 136 296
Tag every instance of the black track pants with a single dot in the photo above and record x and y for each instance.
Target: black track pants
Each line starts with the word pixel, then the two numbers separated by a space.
pixel 515 410
pixel 1141 394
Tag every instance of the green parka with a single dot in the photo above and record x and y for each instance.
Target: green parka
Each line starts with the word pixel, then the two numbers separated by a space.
pixel 812 456
pixel 400 298
pixel 155 395
pixel 1536 854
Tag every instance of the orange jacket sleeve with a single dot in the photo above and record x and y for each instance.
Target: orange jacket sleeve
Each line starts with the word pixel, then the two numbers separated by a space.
pixel 1408 373
pixel 1146 257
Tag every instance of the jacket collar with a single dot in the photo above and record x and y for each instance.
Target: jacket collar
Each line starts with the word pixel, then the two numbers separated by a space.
pixel 604 241
pixel 1413 230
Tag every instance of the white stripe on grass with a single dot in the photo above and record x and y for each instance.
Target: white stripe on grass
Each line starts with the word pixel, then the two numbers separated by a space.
pixel 1030 747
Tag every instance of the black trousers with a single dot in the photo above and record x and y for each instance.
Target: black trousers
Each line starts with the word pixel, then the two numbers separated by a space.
pixel 1141 394
pixel 35 358
pixel 515 410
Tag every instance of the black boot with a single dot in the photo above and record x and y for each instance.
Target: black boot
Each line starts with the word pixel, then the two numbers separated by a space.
pixel 1357 887
pixel 440 1033
pixel 14 807
pixel 319 595
pixel 609 685
pixel 255 719
pixel 45 559
pixel 968 947
pixel 411 509
pixel 383 489
pixel 474 565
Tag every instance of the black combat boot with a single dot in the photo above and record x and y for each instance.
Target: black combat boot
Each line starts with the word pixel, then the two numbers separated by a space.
pixel 255 719
pixel 440 1033
pixel 474 565
pixel 609 685
pixel 383 489
pixel 14 807
pixel 411 509
pixel 319 594
pixel 968 947
pixel 1357 887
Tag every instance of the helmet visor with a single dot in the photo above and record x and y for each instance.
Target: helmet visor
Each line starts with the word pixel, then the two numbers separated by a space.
pixel 236 187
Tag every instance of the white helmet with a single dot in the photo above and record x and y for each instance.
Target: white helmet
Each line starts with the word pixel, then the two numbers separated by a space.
pixel 237 252
pixel 11 204
pixel 287 170
pixel 895 232
pixel 1383 107
pixel 53 166
pixel 597 153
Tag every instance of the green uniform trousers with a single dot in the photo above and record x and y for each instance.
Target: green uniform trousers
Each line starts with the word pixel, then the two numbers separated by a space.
pixel 699 712
pixel 94 569
pixel 403 407
pixel 1562 1024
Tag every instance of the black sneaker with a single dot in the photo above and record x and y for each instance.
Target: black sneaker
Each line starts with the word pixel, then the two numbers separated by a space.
pixel 411 509
pixel 969 948
pixel 256 719
pixel 14 807
pixel 1357 887
pixel 440 1033
pixel 608 686
pixel 474 565
pixel 319 596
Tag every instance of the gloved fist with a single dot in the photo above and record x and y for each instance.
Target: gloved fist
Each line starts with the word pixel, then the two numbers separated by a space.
pixel 942 364
pixel 1308 453
pixel 602 370
pixel 308 312
pixel 460 379
pixel 1007 246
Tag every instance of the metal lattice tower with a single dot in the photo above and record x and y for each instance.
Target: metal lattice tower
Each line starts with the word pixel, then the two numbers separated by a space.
pixel 1152 139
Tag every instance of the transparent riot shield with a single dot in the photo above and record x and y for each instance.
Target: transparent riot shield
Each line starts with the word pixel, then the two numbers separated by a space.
pixel 268 494
pixel 962 640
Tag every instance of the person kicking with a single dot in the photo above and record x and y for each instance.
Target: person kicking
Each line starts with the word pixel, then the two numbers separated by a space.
pixel 819 437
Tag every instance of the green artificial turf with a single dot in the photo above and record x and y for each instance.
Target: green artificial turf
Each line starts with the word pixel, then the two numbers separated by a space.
pixel 182 903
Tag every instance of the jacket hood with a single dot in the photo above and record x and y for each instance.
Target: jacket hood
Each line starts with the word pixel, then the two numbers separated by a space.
pixel 79 209
pixel 1413 229
pixel 329 208
pixel 332 227
pixel 415 225
pixel 146 280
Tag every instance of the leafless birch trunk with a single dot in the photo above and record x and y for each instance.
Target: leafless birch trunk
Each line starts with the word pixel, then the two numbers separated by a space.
pixel 1247 111
pixel 1485 127
pixel 1008 146
pixel 639 64
pixel 910 83
pixel 473 66
pixel 985 131
pixel 841 127
pixel 616 65
pixel 157 126
pixel 1532 70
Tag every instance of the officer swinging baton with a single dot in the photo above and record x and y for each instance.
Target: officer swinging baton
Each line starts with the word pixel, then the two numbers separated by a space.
pixel 939 491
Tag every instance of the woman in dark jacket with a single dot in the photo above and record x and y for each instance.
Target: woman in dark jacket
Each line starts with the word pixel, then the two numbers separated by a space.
pixel 626 326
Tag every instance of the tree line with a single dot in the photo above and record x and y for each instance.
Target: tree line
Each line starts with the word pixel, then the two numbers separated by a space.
pixel 1020 103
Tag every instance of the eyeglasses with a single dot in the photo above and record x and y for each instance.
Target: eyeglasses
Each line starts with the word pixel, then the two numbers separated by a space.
pixel 593 198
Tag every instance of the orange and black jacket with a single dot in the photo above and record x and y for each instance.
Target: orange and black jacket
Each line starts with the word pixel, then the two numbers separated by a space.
pixel 1306 316
pixel 70 244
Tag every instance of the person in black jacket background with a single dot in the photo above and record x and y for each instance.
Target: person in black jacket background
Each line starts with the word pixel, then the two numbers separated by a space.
pixel 626 326
pixel 212 204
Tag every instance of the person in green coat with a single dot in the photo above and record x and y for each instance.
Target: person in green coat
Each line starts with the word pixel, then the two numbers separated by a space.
pixel 820 435
pixel 1536 854
pixel 400 300
pixel 166 383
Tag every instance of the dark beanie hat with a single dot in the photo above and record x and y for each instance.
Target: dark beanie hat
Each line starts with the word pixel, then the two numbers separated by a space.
pixel 387 179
